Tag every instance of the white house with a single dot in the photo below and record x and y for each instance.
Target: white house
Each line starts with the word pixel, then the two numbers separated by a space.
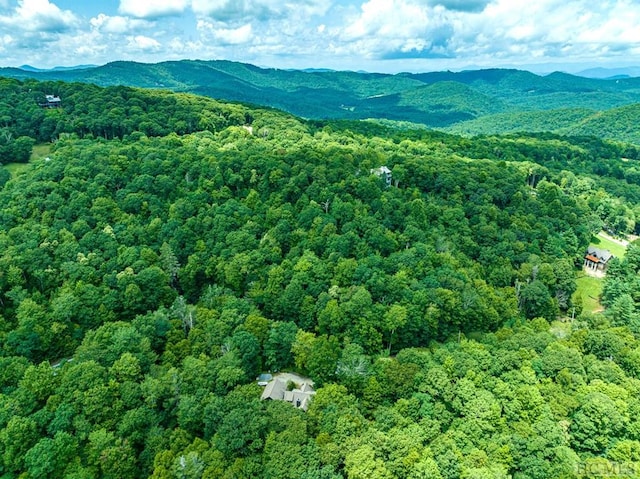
pixel 384 173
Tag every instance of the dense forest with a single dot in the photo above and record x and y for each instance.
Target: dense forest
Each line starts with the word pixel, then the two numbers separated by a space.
pixel 491 101
pixel 170 248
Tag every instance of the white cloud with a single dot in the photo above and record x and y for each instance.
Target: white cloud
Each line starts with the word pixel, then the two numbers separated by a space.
pixel 486 30
pixel 395 18
pixel 117 24
pixel 352 33
pixel 5 41
pixel 261 10
pixel 86 45
pixel 395 29
pixel 179 48
pixel 152 8
pixel 39 16
pixel 143 43
pixel 235 36
pixel 257 30
pixel 547 29
pixel 618 25
pixel 463 5
pixel 227 36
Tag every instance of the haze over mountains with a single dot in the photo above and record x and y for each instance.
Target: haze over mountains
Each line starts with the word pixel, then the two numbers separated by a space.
pixel 467 102
pixel 610 73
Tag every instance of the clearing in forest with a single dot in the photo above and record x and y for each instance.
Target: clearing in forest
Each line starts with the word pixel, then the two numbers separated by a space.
pixel 589 289
pixel 618 247
pixel 39 152
pixel 589 281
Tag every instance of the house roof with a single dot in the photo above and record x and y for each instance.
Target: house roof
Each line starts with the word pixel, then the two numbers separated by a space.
pixel 306 387
pixel 603 255
pixel 383 170
pixel 274 390
pixel 277 390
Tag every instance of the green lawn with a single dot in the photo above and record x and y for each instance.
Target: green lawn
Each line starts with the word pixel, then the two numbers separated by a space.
pixel 603 242
pixel 39 152
pixel 17 168
pixel 589 288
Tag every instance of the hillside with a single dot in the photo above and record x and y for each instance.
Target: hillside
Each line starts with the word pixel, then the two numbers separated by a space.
pixel 440 99
pixel 531 121
pixel 172 247
pixel 619 123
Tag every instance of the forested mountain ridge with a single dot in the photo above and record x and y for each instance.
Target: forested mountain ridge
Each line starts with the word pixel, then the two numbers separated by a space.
pixel 439 99
pixel 617 123
pixel 172 247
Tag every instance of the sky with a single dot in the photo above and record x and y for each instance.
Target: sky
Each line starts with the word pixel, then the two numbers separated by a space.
pixel 374 35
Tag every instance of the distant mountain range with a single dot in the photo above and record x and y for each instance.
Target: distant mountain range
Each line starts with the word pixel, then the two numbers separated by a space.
pixel 611 73
pixel 29 68
pixel 468 102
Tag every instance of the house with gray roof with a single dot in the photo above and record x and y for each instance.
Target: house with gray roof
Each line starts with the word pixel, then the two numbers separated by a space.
pixel 299 396
pixel 597 259
pixel 51 101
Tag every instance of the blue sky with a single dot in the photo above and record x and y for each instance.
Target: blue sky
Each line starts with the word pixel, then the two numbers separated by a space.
pixel 373 35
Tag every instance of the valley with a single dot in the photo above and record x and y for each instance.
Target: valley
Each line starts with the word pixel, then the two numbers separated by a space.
pixel 160 250
pixel 491 101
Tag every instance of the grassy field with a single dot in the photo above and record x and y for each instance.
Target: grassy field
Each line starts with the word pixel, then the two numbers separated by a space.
pixel 17 168
pixel 589 288
pixel 39 152
pixel 603 242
